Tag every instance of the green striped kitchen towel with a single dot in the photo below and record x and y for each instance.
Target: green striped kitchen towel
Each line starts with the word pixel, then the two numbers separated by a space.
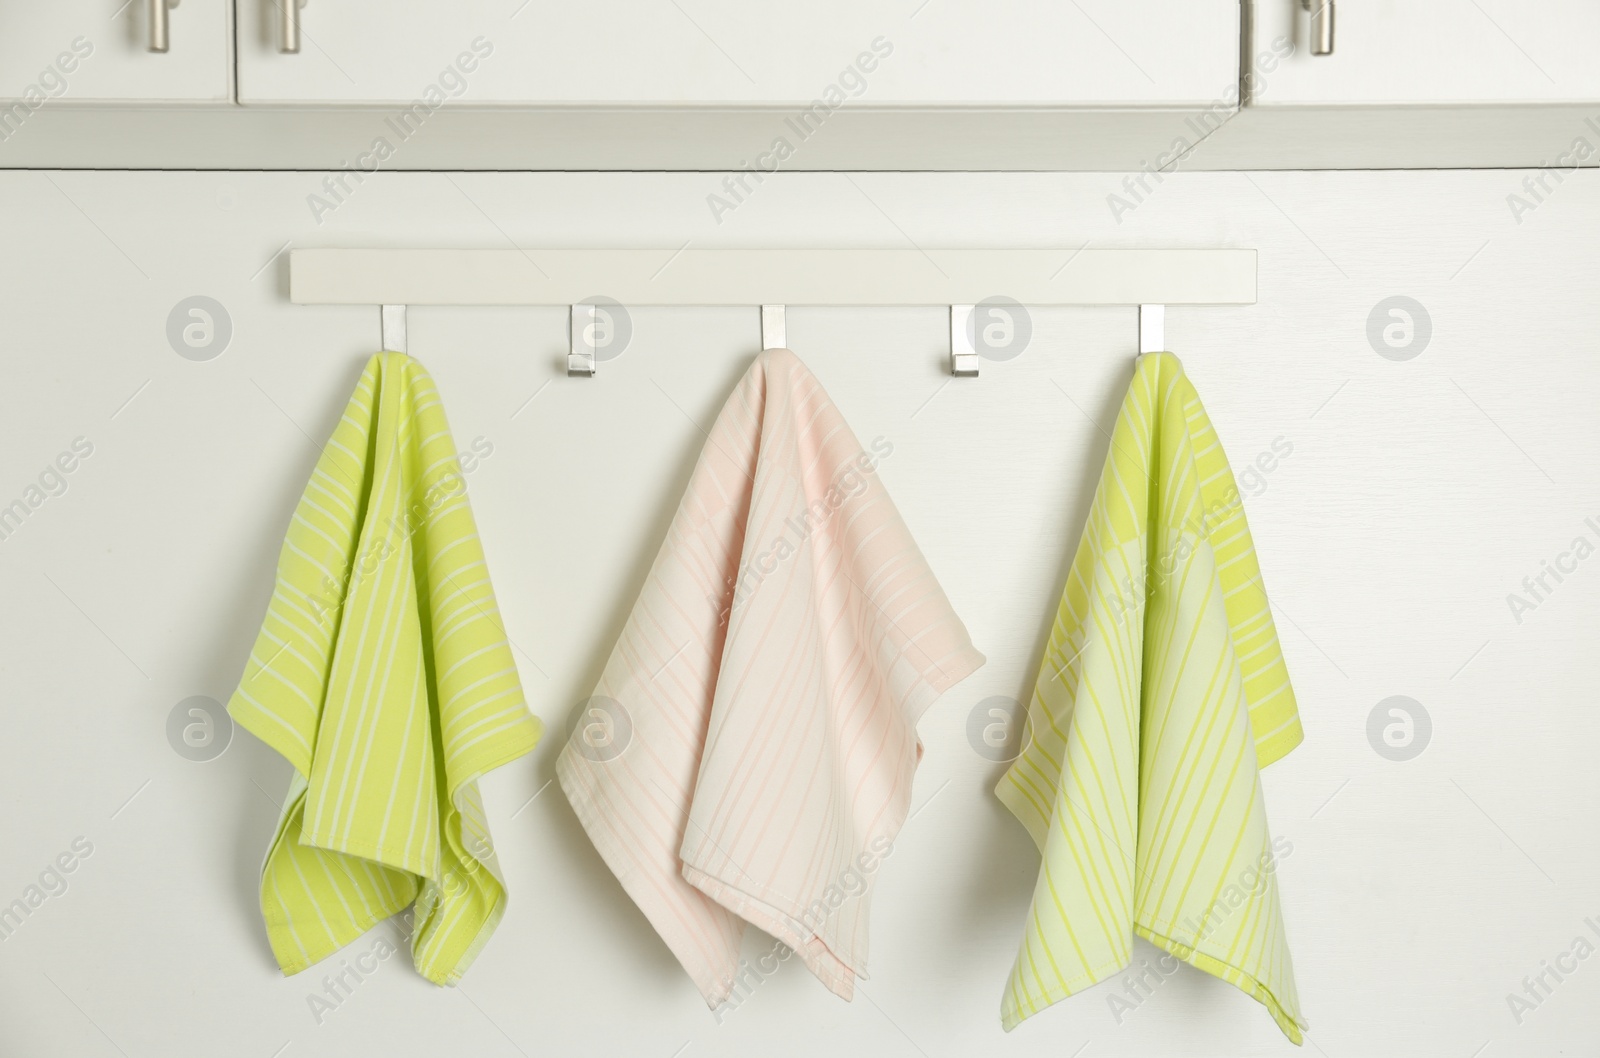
pixel 384 675
pixel 1161 696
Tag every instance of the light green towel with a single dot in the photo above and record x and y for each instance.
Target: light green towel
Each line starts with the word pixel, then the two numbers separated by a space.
pixel 1162 693
pixel 383 673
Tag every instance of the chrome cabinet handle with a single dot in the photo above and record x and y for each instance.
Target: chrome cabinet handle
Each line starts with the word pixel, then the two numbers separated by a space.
pixel 289 12
pixel 160 35
pixel 1321 25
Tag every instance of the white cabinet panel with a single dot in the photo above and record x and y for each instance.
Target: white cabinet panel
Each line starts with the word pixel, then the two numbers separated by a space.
pixel 65 51
pixel 1433 51
pixel 687 52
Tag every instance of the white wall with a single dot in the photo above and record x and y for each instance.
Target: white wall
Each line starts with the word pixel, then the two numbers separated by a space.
pixel 1417 496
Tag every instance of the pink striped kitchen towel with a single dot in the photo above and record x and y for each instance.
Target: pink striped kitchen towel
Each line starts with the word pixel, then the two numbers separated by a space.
pixel 748 754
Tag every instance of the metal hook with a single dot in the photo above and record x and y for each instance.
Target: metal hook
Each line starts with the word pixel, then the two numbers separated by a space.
pixel 582 348
pixel 774 333
pixel 1152 329
pixel 394 328
pixel 963 348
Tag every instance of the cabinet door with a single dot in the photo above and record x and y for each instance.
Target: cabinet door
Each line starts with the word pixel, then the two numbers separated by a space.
pixel 1430 51
pixel 73 51
pixel 687 52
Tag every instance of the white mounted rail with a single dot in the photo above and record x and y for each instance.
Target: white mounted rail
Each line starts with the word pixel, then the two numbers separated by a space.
pixel 840 277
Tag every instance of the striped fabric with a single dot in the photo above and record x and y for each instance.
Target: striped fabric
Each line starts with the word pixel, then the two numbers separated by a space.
pixel 1161 695
pixel 757 719
pixel 383 674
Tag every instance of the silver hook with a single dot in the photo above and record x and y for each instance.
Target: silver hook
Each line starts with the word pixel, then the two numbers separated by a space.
pixel 1152 329
pixel 963 348
pixel 774 333
pixel 581 342
pixel 394 328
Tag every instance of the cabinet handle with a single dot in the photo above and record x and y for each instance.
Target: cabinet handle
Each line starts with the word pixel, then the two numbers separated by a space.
pixel 160 37
pixel 289 12
pixel 1321 25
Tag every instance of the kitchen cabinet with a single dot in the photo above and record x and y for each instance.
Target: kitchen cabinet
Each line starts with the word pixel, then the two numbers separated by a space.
pixel 1432 52
pixel 95 51
pixel 1084 85
pixel 686 53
